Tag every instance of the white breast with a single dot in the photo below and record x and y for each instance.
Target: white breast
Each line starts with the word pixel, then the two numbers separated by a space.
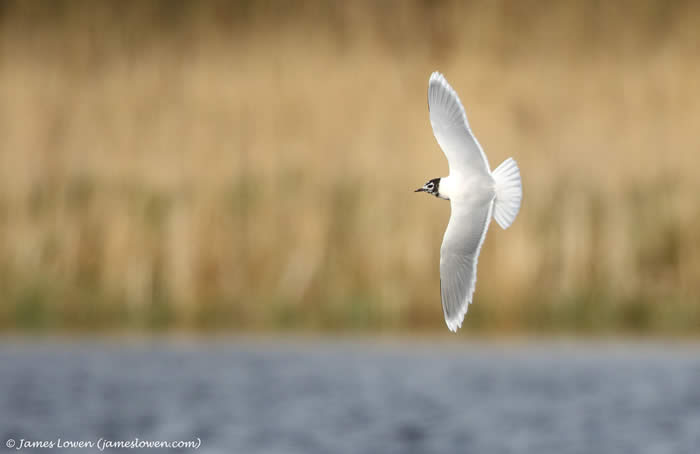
pixel 457 188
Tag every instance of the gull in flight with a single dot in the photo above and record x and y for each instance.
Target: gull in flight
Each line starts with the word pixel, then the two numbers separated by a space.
pixel 475 193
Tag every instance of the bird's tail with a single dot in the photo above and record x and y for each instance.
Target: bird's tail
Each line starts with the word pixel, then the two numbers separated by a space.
pixel 509 193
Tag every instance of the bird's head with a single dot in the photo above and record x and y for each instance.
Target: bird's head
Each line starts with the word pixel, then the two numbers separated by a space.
pixel 431 187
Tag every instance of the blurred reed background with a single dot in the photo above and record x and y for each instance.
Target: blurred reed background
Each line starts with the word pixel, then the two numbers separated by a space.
pixel 250 165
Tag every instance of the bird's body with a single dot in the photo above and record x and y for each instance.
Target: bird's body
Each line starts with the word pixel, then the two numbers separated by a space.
pixel 459 188
pixel 475 193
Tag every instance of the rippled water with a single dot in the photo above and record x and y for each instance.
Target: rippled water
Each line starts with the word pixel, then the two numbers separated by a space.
pixel 344 397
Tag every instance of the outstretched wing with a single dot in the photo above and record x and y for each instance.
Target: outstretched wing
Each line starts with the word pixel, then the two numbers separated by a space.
pixel 451 129
pixel 459 254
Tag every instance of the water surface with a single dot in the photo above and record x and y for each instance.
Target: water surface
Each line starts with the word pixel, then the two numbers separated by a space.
pixel 355 397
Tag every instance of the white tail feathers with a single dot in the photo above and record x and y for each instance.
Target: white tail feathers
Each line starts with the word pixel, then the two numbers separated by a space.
pixel 509 193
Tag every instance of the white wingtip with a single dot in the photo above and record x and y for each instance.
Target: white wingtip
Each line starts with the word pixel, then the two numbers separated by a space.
pixel 509 193
pixel 455 323
pixel 436 75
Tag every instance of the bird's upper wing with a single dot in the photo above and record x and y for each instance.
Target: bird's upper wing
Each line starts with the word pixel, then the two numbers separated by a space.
pixel 451 129
pixel 459 254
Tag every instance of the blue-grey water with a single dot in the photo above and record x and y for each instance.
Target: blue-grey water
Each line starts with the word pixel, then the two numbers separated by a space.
pixel 353 397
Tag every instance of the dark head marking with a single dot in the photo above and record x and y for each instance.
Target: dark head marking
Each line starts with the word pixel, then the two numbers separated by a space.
pixel 431 187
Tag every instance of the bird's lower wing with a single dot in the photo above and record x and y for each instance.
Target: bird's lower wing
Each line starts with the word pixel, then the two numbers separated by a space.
pixel 459 254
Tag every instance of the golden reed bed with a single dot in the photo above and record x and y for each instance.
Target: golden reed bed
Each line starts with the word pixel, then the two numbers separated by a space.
pixel 250 166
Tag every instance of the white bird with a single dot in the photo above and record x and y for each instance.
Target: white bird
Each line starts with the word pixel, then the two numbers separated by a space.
pixel 475 194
